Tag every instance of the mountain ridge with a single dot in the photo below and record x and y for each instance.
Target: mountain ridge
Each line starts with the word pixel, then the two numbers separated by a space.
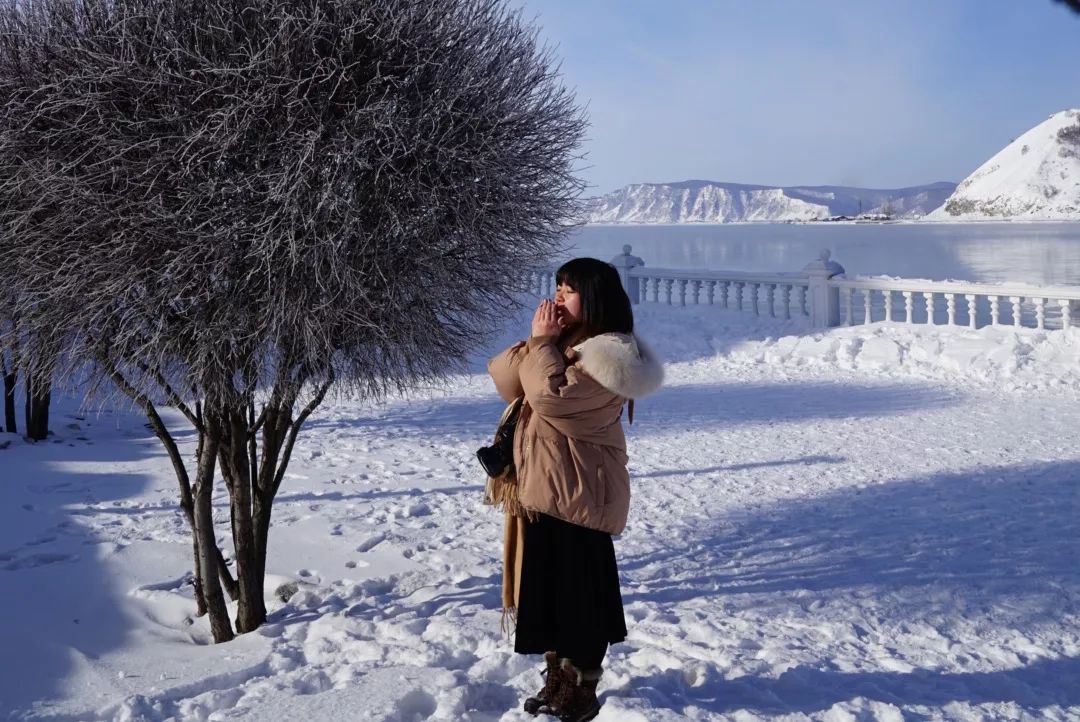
pixel 704 201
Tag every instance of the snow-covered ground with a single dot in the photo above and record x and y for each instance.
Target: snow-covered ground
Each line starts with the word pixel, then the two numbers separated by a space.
pixel 875 523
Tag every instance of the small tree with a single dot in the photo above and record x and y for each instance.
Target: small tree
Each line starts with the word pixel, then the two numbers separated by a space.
pixel 37 380
pixel 8 368
pixel 234 206
pixel 1069 138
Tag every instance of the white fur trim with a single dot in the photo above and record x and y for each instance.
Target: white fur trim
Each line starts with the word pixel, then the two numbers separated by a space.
pixel 622 364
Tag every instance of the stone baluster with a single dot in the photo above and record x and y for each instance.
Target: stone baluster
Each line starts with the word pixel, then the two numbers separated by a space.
pixel 995 310
pixel 710 290
pixel 970 298
pixel 1066 313
pixel 909 306
pixel 1015 301
pixel 929 296
pixel 770 297
pixel 738 291
pixel 695 292
pixel 725 290
pixel 887 295
pixel 681 282
pixel 824 298
pixel 753 296
pixel 1040 312
pixel 848 319
pixel 867 297
pixel 802 301
pixel 643 288
pixel 950 308
pixel 785 300
pixel 668 283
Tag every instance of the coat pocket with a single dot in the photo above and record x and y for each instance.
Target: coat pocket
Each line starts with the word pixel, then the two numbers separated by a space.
pixel 601 494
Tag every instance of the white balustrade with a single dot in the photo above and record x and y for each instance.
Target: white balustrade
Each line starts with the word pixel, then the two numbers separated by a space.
pixel 822 294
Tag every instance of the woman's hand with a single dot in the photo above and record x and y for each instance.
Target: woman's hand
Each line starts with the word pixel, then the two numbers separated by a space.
pixel 546 321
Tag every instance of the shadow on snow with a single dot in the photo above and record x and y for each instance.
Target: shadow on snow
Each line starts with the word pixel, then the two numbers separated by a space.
pixel 58 608
pixel 999 541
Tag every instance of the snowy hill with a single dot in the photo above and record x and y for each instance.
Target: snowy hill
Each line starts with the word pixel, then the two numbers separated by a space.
pixel 698 201
pixel 1036 177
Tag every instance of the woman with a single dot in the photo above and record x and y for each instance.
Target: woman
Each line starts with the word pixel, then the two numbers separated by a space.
pixel 576 372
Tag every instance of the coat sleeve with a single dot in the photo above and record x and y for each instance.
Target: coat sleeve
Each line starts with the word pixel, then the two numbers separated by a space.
pixel 565 397
pixel 504 371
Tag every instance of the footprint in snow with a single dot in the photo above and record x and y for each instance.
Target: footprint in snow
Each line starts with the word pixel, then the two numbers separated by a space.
pixel 36 560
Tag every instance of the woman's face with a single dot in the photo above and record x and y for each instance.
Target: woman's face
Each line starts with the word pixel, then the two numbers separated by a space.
pixel 567 305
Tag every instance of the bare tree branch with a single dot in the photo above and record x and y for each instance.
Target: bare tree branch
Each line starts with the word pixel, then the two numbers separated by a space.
pixel 294 429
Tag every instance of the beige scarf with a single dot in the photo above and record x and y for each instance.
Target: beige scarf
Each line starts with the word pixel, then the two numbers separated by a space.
pixel 502 492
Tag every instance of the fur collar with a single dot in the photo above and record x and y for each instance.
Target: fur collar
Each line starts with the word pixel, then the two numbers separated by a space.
pixel 622 363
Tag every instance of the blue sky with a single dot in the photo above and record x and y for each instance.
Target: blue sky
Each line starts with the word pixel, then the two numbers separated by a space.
pixel 787 92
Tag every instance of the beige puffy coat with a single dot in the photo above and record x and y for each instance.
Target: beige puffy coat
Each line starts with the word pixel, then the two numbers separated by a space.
pixel 569 448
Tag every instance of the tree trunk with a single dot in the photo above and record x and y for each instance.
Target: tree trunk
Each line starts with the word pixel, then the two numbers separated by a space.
pixel 235 467
pixel 187 500
pixel 10 378
pixel 38 397
pixel 207 567
pixel 262 509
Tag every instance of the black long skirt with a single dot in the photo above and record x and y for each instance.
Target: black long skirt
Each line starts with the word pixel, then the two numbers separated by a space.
pixel 570 600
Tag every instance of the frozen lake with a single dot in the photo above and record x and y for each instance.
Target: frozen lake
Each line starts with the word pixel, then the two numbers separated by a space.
pixel 1047 253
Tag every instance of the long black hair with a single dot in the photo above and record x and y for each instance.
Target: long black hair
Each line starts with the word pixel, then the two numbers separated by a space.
pixel 605 307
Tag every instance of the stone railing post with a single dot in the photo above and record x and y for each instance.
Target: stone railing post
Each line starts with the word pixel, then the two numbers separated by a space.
pixel 623 264
pixel 824 300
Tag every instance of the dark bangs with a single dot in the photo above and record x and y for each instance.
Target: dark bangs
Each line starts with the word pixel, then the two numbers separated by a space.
pixel 605 307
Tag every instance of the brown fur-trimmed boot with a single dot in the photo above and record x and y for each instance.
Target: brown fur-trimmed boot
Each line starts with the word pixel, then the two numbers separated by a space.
pixel 555 680
pixel 578 701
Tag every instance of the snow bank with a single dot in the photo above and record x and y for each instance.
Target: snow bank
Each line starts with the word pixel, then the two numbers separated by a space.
pixel 1002 357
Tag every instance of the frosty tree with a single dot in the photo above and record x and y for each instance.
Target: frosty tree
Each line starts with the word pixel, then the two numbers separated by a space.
pixel 234 207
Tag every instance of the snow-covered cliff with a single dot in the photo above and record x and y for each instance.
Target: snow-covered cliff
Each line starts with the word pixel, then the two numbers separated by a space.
pixel 710 202
pixel 1035 177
